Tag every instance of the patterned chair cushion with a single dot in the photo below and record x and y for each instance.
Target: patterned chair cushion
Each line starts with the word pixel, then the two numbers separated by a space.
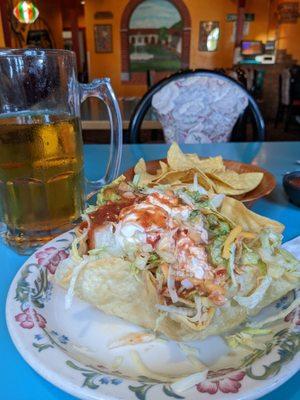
pixel 199 109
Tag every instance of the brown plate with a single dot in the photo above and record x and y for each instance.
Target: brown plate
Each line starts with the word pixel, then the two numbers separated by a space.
pixel 265 187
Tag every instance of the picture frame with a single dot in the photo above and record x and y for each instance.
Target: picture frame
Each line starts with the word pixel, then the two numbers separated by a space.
pixel 209 34
pixel 103 38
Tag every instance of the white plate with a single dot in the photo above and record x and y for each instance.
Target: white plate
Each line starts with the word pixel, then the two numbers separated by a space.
pixel 70 348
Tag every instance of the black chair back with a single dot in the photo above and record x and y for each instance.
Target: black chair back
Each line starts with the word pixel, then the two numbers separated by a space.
pixel 252 110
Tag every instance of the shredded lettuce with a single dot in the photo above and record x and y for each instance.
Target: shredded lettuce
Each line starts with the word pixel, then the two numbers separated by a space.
pixel 256 297
pixel 154 260
pixel 91 208
pixel 230 265
pixel 103 197
pixel 189 381
pixel 245 339
pixel 279 262
pixel 215 251
pixel 250 257
pixel 106 193
pixel 195 187
pixel 98 252
pixel 217 200
pixel 200 199
pixel 216 226
pixel 253 331
pixel 194 214
pixel 80 239
pixel 134 270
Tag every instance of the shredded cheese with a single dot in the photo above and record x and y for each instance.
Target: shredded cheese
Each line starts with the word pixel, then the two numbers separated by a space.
pixel 229 240
pixel 247 235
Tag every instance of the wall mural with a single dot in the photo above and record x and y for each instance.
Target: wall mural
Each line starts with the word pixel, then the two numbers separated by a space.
pixel 155 37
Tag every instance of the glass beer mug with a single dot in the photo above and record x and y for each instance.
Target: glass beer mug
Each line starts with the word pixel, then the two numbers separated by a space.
pixel 42 185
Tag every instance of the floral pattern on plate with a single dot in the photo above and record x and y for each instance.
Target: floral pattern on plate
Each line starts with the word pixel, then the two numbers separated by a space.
pixel 31 291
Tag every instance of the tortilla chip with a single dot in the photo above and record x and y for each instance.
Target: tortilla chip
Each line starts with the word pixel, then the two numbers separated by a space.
pixel 170 177
pixel 145 178
pixel 203 180
pixel 177 160
pixel 220 187
pixel 211 164
pixel 178 177
pixel 248 220
pixel 164 167
pixel 247 180
pixel 212 174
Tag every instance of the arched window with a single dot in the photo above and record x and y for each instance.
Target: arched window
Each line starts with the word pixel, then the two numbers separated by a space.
pixel 164 26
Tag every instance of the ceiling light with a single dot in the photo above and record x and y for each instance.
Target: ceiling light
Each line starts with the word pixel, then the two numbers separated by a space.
pixel 26 12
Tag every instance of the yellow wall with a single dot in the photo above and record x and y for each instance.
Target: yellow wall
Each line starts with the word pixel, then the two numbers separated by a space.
pixel 260 28
pixel 107 64
pixel 51 12
pixel 286 32
pixel 204 10
pixel 200 10
pixel 2 42
pixel 288 38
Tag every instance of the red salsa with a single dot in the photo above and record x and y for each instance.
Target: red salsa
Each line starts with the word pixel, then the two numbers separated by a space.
pixel 295 181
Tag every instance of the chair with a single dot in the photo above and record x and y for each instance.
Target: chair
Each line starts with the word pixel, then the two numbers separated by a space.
pixel 293 109
pixel 192 81
pixel 288 96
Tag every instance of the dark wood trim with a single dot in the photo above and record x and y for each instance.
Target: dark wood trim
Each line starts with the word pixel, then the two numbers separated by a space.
pixel 240 22
pixel 5 15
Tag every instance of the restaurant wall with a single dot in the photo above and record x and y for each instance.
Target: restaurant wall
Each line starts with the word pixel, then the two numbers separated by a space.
pixel 288 39
pixel 263 27
pixel 109 64
pixel 51 12
pixel 2 42
pixel 289 33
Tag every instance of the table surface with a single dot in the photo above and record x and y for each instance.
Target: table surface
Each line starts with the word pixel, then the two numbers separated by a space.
pixel 19 381
pixel 94 114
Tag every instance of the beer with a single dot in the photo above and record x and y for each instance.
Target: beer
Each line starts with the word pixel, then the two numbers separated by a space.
pixel 41 176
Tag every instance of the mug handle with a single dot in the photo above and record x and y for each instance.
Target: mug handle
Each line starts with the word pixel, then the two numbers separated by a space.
pixel 101 88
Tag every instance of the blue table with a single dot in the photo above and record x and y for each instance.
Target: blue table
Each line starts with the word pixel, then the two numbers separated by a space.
pixel 19 381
